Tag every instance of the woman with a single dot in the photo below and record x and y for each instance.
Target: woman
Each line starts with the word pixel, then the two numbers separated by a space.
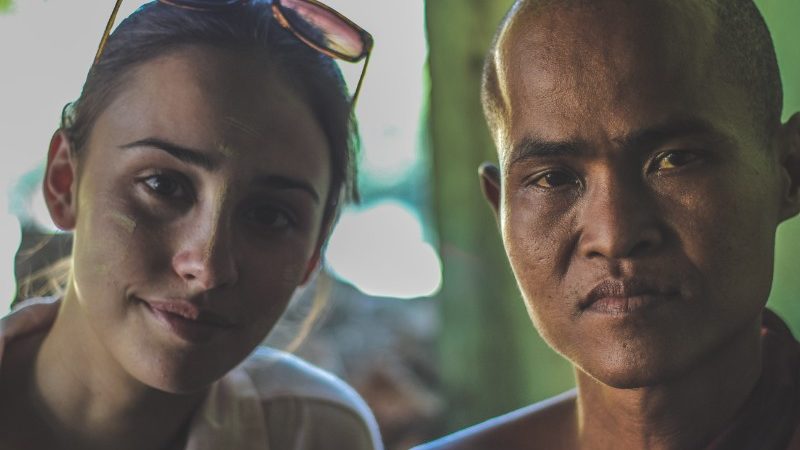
pixel 200 171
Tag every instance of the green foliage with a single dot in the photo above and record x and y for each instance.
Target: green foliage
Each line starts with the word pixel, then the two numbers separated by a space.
pixel 6 6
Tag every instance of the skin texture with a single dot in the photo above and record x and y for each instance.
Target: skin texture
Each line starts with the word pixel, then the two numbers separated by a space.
pixel 223 230
pixel 626 163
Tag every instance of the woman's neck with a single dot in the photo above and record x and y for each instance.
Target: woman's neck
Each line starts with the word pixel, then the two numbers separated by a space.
pixel 90 401
pixel 686 412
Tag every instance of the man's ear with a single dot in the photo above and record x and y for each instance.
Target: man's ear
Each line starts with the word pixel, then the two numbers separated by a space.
pixel 490 185
pixel 59 182
pixel 789 141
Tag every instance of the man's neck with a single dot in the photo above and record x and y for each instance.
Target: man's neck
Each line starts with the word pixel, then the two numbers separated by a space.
pixel 685 412
pixel 90 401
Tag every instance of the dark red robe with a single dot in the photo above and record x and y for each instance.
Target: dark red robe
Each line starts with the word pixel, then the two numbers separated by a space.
pixel 770 418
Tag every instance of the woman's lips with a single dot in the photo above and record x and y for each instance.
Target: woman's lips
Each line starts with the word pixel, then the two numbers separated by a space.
pixel 186 320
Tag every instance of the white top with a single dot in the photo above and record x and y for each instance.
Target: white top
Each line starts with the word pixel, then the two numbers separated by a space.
pixel 271 401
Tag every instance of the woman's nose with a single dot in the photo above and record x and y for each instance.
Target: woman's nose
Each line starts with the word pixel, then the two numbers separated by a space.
pixel 205 257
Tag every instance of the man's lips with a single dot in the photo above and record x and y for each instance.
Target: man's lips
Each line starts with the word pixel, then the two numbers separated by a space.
pixel 625 296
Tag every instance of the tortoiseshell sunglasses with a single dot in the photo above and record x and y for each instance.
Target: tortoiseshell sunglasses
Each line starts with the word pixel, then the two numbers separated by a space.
pixel 319 26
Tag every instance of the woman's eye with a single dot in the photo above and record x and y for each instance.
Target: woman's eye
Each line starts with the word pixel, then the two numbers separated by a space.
pixel 270 217
pixel 164 185
pixel 673 160
pixel 555 179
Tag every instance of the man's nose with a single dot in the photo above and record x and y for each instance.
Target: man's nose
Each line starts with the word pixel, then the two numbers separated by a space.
pixel 205 258
pixel 619 219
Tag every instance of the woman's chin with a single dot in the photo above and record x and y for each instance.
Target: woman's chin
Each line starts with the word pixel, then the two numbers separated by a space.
pixel 177 382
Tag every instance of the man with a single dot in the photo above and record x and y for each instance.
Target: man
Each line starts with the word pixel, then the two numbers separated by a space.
pixel 643 170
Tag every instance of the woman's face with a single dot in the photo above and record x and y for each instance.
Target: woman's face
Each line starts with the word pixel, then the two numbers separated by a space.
pixel 199 203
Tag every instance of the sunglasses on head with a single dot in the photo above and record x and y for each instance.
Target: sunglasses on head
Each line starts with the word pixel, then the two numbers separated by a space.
pixel 319 26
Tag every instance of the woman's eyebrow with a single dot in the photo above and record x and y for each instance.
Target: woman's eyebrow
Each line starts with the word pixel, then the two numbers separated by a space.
pixel 202 160
pixel 187 155
pixel 284 182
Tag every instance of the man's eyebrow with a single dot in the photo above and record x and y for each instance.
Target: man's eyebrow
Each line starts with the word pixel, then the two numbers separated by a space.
pixel 646 138
pixel 659 134
pixel 187 155
pixel 531 147
pixel 283 182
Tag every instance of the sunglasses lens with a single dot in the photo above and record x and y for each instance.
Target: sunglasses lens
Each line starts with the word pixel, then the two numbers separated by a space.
pixel 324 28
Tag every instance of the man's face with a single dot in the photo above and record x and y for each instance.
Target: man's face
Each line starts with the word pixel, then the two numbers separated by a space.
pixel 639 199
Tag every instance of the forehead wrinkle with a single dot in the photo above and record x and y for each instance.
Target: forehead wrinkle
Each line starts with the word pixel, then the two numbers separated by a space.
pixel 235 125
pixel 239 125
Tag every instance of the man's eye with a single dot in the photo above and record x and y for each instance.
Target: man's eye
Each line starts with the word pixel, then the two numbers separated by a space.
pixel 555 179
pixel 672 160
pixel 165 185
pixel 270 217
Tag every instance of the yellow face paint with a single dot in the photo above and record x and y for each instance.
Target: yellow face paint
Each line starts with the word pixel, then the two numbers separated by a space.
pixel 226 149
pixel 128 224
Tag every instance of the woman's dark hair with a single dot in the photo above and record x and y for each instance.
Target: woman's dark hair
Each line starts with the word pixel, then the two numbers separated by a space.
pixel 156 29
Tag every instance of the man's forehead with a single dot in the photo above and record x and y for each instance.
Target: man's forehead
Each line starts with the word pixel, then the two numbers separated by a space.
pixel 576 20
pixel 568 60
pixel 603 37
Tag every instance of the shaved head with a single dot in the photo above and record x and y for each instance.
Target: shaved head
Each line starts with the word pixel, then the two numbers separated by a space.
pixel 739 46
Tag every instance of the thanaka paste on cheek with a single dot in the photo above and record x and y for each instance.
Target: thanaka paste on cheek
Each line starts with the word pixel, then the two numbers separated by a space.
pixel 124 221
pixel 218 202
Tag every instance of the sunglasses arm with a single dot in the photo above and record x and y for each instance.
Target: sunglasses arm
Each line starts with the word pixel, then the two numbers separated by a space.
pixel 107 31
pixel 360 79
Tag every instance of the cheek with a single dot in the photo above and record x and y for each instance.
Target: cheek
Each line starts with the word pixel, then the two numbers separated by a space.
pixel 108 242
pixel 536 238
pixel 269 277
pixel 537 242
pixel 728 236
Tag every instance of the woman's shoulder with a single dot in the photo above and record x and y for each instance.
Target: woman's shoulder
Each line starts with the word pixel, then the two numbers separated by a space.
pixel 27 317
pixel 294 393
pixel 277 374
pixel 542 425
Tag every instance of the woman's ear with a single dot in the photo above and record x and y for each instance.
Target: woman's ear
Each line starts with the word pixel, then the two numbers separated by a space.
pixel 59 182
pixel 490 185
pixel 789 141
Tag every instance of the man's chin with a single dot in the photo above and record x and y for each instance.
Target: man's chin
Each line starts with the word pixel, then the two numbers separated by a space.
pixel 631 374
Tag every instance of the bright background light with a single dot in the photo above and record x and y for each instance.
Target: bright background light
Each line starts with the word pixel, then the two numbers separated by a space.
pixel 372 246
